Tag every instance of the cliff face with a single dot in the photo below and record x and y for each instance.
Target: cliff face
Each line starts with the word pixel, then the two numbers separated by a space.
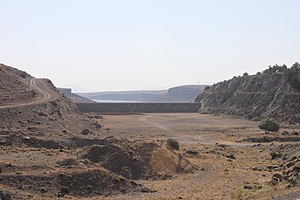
pixel 267 94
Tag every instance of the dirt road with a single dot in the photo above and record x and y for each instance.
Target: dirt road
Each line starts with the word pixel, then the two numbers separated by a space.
pixel 45 94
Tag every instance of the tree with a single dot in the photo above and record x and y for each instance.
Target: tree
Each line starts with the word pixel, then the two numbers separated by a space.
pixel 269 125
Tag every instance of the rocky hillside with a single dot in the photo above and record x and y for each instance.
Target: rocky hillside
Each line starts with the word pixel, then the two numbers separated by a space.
pixel 30 106
pixel 14 86
pixel 49 150
pixel 273 93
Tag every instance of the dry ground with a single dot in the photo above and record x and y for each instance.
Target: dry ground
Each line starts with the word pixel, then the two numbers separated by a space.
pixel 227 167
pixel 227 164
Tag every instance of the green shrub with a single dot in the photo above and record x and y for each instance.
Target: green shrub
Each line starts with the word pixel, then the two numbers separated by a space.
pixel 269 125
pixel 174 144
pixel 275 155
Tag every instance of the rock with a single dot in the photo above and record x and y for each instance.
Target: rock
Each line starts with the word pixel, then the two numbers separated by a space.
pixel 146 190
pixel 230 156
pixel 295 133
pixel 284 133
pixel 290 164
pixel 274 181
pixel 67 162
pixel 64 190
pixel 258 187
pixel 277 176
pixel 192 152
pixel 293 158
pixel 86 132
pixel 296 169
pixel 43 190
pixel 285 157
pixel 248 187
pixel 89 188
pixel 292 179
pixel 272 167
pixel 254 168
pixel 285 176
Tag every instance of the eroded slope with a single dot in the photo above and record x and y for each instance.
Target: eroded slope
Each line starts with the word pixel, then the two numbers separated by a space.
pixel 267 94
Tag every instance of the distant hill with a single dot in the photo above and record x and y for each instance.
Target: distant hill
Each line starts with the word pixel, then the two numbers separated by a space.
pixel 186 93
pixel 67 92
pixel 273 93
pixel 142 95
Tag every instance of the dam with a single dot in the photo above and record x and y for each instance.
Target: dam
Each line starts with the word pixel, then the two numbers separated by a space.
pixel 139 107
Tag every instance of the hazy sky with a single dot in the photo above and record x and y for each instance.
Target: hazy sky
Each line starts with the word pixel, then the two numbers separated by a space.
pixel 147 44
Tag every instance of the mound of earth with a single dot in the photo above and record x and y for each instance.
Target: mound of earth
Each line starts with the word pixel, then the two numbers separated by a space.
pixel 138 160
pixel 274 93
pixel 84 183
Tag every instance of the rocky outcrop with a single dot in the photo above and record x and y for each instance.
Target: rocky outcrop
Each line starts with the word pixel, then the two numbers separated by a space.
pixel 267 94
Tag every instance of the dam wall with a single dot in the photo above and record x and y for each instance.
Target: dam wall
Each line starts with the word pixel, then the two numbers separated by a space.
pixel 139 107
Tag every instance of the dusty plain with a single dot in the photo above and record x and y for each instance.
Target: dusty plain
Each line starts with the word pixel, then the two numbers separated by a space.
pixel 228 167
pixel 231 159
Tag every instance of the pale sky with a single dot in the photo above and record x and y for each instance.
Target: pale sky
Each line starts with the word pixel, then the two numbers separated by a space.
pixel 104 45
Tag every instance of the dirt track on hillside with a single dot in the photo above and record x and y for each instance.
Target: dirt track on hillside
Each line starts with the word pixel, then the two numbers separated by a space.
pixel 44 94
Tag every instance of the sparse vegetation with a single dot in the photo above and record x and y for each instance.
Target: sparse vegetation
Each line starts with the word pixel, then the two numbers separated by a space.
pixel 276 69
pixel 269 125
pixel 275 155
pixel 206 88
pixel 174 144
pixel 293 76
